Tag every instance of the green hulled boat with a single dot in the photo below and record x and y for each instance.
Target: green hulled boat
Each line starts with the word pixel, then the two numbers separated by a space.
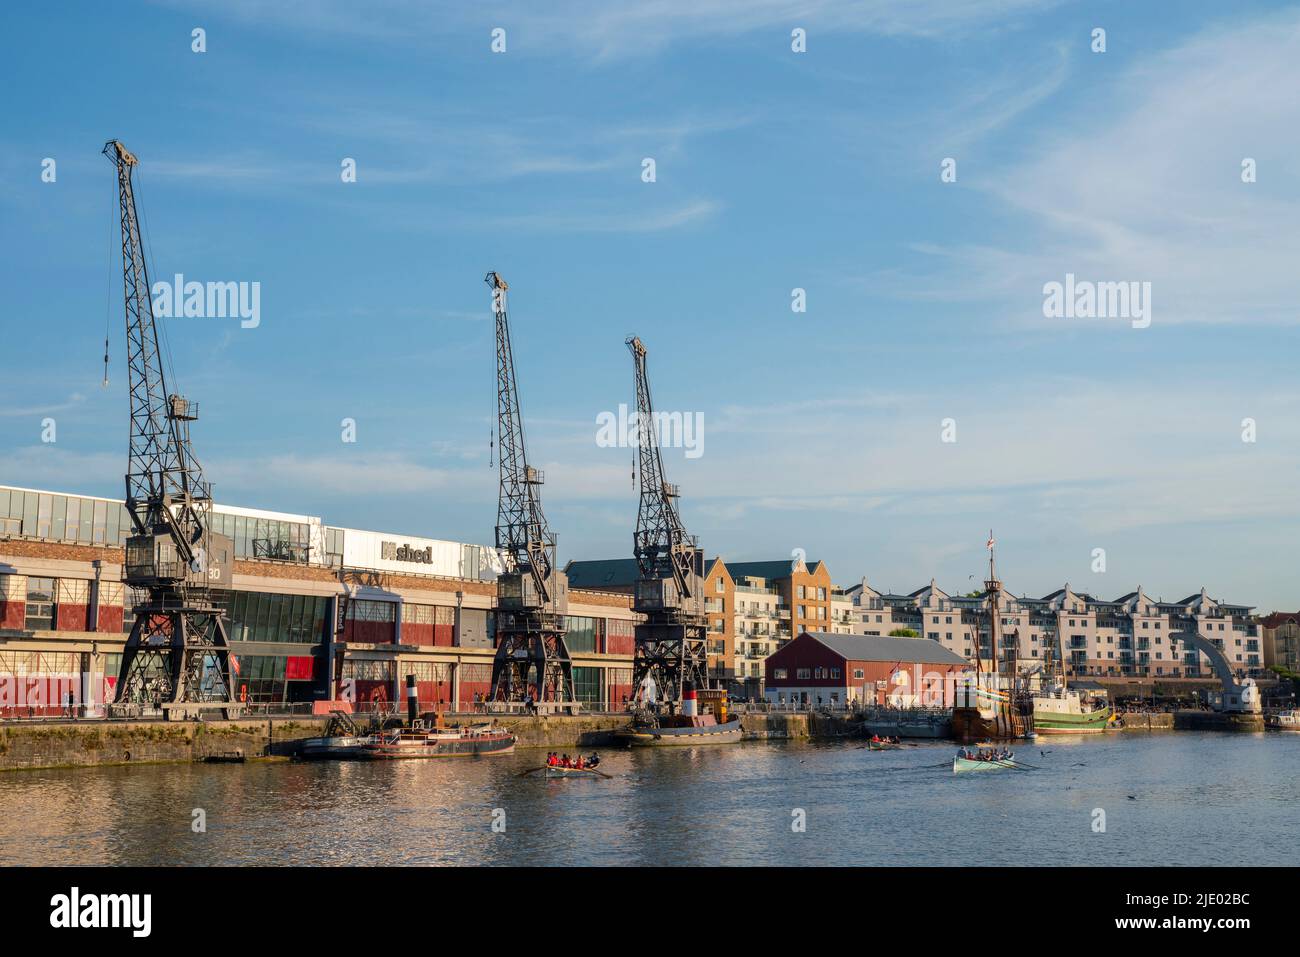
pixel 1060 710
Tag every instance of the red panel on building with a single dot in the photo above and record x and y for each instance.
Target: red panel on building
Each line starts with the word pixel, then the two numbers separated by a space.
pixel 416 634
pixel 619 695
pixel 434 695
pixel 13 614
pixel 369 632
pixel 299 668
pixel 444 636
pixel 69 617
pixel 619 644
pixel 110 618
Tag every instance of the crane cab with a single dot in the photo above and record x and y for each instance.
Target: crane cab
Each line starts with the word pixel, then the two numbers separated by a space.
pixel 153 560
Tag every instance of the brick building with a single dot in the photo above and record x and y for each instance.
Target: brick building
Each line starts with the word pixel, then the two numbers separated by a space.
pixel 417 606
pixel 822 668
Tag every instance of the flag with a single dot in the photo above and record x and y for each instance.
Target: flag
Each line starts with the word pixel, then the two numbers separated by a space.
pixel 990 543
pixel 234 664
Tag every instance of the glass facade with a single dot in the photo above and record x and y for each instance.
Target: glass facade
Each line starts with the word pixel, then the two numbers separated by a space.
pixel 268 679
pixel 586 685
pixel 583 633
pixel 63 518
pixel 257 616
pixel 89 521
pixel 265 537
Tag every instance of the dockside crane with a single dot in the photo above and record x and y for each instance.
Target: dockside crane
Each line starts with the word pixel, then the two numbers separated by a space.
pixel 670 646
pixel 532 657
pixel 177 658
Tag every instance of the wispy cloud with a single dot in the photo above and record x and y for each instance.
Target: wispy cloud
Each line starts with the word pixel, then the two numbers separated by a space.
pixel 611 221
pixel 1145 185
pixel 75 400
pixel 603 30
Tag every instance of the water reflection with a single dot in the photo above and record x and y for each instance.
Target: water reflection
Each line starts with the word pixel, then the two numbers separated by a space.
pixel 1195 799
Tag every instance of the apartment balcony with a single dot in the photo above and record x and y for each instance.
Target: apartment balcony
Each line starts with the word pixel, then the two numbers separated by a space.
pixel 783 611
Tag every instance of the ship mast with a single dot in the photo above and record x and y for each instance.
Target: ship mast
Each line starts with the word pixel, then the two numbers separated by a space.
pixel 993 587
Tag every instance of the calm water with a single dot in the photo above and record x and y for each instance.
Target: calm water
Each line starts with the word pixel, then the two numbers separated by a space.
pixel 1198 799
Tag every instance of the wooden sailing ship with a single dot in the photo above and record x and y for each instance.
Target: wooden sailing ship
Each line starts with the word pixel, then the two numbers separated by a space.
pixel 997 705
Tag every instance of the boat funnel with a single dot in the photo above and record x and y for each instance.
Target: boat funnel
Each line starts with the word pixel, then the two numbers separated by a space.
pixel 690 706
pixel 412 701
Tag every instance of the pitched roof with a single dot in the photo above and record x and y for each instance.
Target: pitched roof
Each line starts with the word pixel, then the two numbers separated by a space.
pixel 605 573
pixel 924 651
pixel 771 571
pixel 1278 617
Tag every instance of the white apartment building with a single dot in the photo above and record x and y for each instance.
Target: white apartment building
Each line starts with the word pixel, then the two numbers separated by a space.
pixel 1134 635
pixel 762 625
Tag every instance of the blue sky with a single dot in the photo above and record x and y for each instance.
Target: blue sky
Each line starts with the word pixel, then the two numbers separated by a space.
pixel 775 170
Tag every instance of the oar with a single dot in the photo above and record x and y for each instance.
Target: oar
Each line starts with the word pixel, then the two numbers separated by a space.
pixel 530 771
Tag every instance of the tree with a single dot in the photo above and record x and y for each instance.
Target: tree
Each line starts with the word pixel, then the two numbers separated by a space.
pixel 904 633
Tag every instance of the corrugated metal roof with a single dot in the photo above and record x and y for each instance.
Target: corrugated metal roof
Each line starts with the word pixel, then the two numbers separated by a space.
pixel 924 651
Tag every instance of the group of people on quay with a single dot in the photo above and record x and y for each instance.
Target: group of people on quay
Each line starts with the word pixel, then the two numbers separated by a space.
pixel 986 754
pixel 556 760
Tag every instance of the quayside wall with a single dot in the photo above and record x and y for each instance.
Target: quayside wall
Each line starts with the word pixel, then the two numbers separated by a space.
pixel 91 743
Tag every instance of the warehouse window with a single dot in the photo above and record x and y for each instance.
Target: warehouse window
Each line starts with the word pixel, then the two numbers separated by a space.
pixel 40 604
pixel 780 674
pixel 804 674
pixel 857 673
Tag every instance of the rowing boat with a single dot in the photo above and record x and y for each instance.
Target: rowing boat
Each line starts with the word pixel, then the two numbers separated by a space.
pixel 558 772
pixel 884 746
pixel 960 764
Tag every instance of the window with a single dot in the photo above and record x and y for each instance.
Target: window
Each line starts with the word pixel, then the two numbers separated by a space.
pixel 780 674
pixel 835 672
pixel 40 604
pixel 857 673
pixel 804 674
pixel 720 587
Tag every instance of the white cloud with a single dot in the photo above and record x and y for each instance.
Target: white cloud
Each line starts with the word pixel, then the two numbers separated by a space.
pixel 1143 183
pixel 604 30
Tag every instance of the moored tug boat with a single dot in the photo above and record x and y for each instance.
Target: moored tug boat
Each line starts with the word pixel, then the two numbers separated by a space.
pixel 649 729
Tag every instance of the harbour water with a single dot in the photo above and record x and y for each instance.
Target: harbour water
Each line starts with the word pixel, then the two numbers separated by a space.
pixel 1173 798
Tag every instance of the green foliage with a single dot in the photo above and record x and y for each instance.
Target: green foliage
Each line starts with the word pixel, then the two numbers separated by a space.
pixel 904 633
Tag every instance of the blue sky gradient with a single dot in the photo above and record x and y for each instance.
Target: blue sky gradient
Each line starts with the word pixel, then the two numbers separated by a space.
pixel 775 170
